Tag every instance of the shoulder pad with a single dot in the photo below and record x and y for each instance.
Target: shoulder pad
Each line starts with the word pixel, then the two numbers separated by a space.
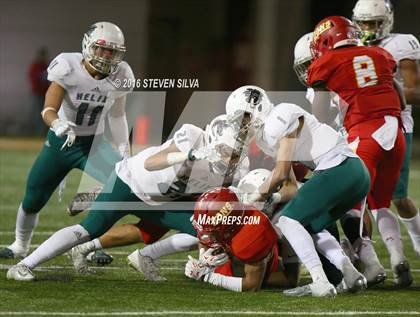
pixel 404 46
pixel 59 68
pixel 187 137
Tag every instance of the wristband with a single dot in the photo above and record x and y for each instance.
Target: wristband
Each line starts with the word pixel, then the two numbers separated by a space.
pixel 47 109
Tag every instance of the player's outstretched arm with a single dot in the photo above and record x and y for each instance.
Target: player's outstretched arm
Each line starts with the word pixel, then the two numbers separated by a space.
pixel 281 173
pixel 53 99
pixel 119 126
pixel 165 158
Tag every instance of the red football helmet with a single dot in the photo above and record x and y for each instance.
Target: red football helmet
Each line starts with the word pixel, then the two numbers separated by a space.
pixel 333 32
pixel 217 217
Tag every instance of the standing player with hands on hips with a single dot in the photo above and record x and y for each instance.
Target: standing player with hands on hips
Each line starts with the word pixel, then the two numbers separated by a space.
pixel 76 103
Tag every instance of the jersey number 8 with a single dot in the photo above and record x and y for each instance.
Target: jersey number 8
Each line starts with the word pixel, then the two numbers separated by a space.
pixel 364 69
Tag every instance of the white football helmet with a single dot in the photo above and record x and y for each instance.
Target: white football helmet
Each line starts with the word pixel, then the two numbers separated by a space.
pixel 379 12
pixel 103 47
pixel 252 101
pixel 222 136
pixel 253 180
pixel 303 58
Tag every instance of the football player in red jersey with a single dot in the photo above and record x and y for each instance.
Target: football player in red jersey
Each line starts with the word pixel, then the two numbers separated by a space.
pixel 238 246
pixel 363 78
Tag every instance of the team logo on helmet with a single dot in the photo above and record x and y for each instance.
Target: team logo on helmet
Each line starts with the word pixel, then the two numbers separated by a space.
pixel 253 97
pixel 321 29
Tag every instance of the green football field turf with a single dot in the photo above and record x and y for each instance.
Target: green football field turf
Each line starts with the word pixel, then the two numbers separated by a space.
pixel 119 291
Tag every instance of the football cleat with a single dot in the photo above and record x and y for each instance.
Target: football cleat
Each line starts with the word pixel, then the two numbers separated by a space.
pixel 375 274
pixel 13 252
pixel 100 258
pixel 342 287
pixel 354 280
pixel 316 289
pixel 20 272
pixel 78 257
pixel 402 274
pixel 83 201
pixel 145 265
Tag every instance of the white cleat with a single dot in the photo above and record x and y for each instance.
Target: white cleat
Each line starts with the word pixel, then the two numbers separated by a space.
pixel 78 257
pixel 354 280
pixel 145 265
pixel 342 287
pixel 375 274
pixel 316 289
pixel 20 272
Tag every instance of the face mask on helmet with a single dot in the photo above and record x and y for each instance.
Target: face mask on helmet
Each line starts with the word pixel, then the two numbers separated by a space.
pixel 103 47
pixel 303 58
pixel 375 19
pixel 246 108
pixel 231 151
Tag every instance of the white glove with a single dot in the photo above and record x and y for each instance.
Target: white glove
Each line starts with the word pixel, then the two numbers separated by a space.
pixel 204 153
pixel 208 259
pixel 124 150
pixel 63 127
pixel 250 198
pixel 195 269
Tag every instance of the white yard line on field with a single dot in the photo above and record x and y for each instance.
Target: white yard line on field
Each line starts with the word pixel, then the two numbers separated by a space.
pixel 217 312
pixel 116 268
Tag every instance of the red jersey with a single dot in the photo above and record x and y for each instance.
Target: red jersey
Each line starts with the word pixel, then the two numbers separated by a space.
pixel 363 77
pixel 253 243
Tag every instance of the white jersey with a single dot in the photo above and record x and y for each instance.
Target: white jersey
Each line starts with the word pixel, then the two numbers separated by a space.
pixel 403 46
pixel 177 181
pixel 87 100
pixel 318 146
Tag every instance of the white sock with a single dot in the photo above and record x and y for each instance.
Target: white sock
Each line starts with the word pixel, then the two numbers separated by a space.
pixel 25 225
pixel 90 246
pixel 329 247
pixel 413 229
pixel 179 242
pixel 303 245
pixel 389 228
pixel 367 254
pixel 60 242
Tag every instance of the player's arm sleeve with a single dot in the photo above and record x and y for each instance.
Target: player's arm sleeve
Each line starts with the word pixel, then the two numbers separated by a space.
pixel 178 150
pixel 230 283
pixel 187 137
pixel 58 70
pixel 119 127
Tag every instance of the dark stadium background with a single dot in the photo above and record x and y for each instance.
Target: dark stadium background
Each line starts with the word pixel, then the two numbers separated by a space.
pixel 223 43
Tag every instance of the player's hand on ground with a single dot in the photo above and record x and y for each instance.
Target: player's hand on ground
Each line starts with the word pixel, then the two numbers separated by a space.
pixel 195 269
pixel 212 258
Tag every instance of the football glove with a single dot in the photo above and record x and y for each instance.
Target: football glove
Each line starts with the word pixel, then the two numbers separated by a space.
pixel 195 269
pixel 208 258
pixel 203 153
pixel 63 127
